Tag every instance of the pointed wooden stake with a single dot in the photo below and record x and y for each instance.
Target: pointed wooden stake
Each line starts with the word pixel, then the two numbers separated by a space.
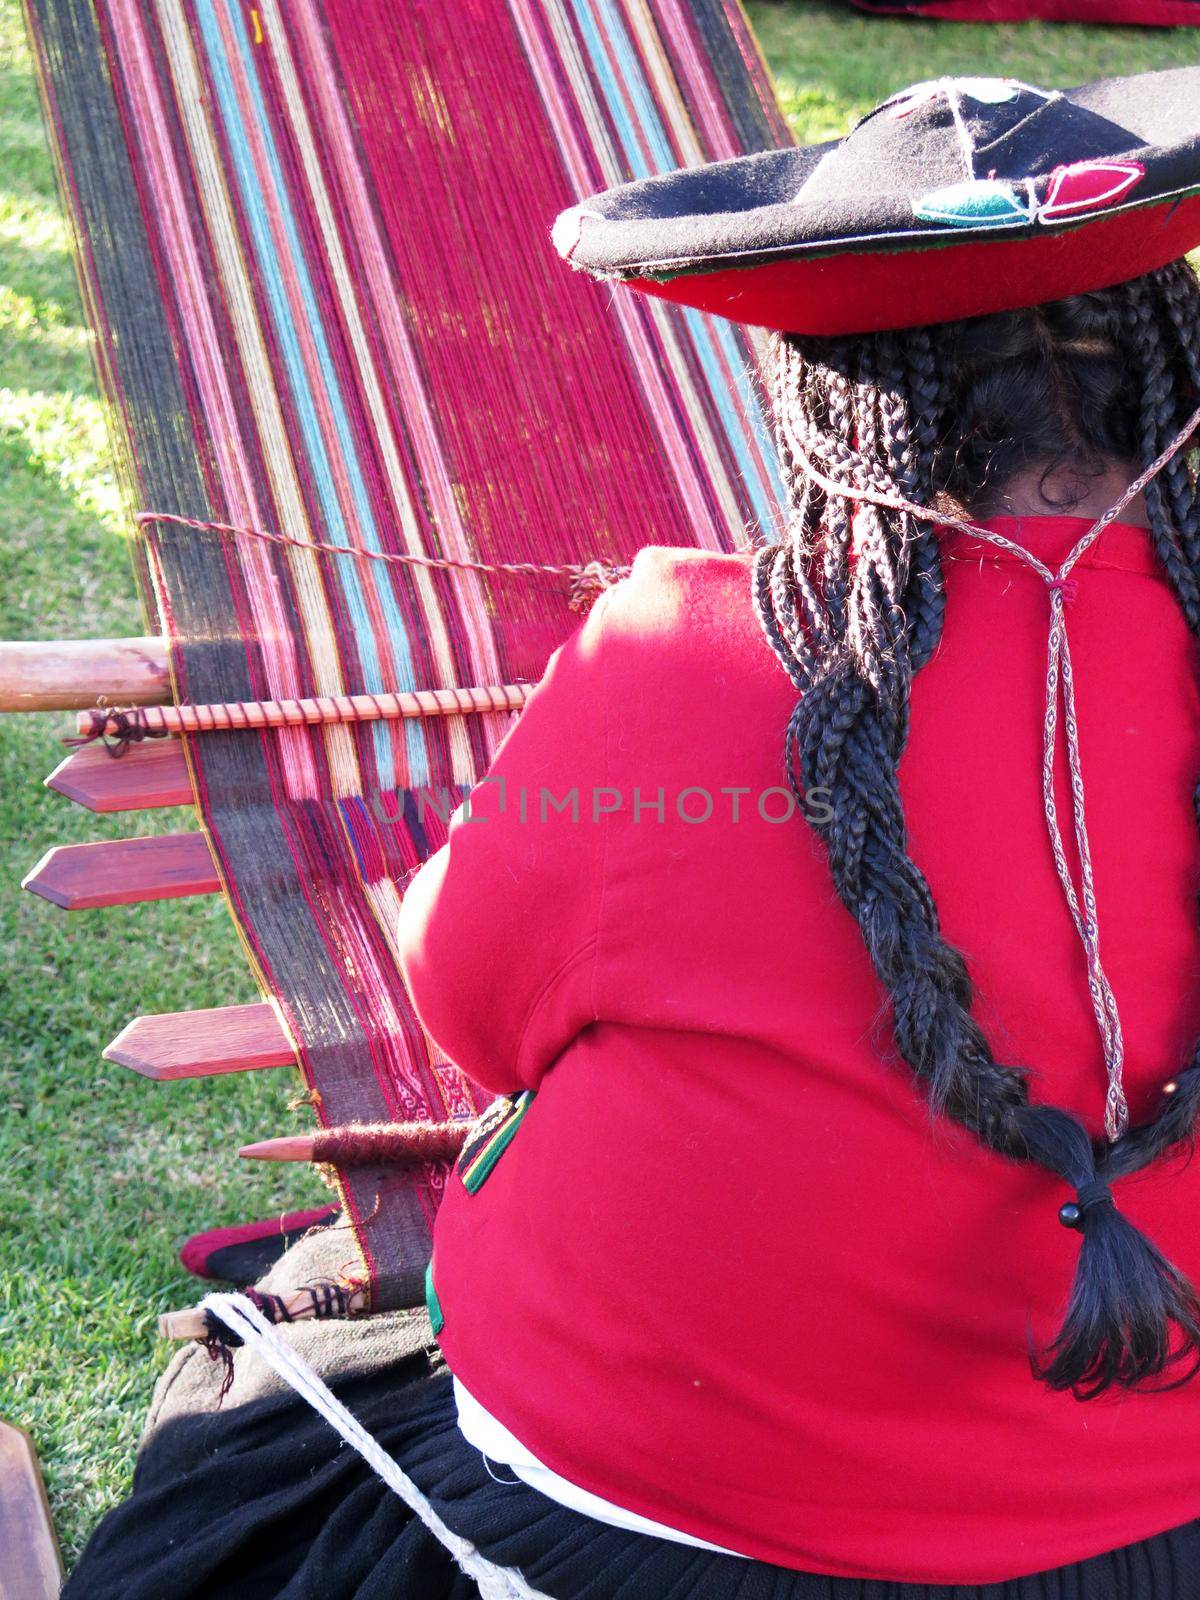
pixel 125 872
pixel 147 776
pixel 199 1044
pixel 290 1147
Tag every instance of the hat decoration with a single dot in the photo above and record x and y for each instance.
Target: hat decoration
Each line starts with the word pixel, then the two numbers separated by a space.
pixel 952 198
pixel 987 202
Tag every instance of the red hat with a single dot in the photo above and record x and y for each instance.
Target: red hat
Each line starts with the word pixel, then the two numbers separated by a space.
pixel 952 199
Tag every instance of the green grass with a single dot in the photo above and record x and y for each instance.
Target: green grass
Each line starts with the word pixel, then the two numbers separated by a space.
pixel 105 1174
pixel 831 65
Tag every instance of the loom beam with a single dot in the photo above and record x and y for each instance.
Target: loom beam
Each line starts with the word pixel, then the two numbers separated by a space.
pixel 71 674
pixel 314 711
pixel 191 1324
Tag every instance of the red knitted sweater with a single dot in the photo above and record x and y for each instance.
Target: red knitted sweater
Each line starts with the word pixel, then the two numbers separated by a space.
pixel 728 1273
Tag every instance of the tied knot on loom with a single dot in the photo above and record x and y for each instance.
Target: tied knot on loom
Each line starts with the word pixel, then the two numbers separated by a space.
pixel 327 1299
pixel 116 730
pixel 589 583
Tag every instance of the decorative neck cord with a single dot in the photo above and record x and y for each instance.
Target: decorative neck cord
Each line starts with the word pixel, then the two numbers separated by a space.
pixel 1060 683
pixel 243 1318
pixel 586 578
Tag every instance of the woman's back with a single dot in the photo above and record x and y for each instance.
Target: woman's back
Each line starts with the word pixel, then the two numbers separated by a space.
pixel 737 1279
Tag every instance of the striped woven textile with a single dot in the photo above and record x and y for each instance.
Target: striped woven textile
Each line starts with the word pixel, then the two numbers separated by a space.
pixel 314 245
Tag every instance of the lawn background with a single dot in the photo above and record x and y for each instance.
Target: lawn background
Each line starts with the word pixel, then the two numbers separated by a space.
pixel 105 1174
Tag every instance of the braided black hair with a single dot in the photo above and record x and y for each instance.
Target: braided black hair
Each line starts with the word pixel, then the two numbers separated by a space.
pixel 947 416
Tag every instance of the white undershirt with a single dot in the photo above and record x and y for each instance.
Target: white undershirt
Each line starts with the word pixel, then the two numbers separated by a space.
pixel 494 1441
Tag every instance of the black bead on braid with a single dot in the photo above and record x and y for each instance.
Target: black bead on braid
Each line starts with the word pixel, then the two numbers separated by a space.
pixel 852 600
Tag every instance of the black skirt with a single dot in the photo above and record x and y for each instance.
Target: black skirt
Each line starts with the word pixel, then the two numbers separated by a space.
pixel 263 1500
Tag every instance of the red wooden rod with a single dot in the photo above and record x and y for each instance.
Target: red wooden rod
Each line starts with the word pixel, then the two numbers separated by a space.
pixel 123 872
pixel 158 720
pixel 197 1044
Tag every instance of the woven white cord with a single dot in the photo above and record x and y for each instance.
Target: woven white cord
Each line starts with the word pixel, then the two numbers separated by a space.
pixel 243 1317
pixel 1060 676
pixel 1060 684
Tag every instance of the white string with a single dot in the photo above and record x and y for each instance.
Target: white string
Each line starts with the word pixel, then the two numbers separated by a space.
pixel 953 89
pixel 243 1317
pixel 1060 678
pixel 1060 684
pixel 960 126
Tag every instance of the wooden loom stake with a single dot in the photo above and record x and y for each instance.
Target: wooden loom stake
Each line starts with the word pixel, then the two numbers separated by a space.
pixel 161 720
pixel 32 1565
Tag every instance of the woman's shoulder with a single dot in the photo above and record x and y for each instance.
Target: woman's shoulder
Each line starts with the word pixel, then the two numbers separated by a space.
pixel 670 587
pixel 684 616
pixel 687 565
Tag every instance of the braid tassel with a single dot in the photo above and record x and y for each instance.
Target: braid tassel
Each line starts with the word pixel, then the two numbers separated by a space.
pixel 1132 1316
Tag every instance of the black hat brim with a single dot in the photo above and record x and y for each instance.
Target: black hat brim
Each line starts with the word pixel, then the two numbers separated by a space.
pixel 731 237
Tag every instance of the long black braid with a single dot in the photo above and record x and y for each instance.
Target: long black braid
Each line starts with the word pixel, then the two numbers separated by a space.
pixel 853 606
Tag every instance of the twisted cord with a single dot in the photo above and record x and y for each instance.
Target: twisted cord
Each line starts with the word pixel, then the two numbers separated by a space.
pixel 245 1322
pixel 116 730
pixel 584 577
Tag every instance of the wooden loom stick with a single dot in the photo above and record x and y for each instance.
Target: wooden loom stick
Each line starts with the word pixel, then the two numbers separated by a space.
pixel 123 872
pixel 159 720
pixel 402 1144
pixel 146 777
pixel 32 1565
pixel 288 1147
pixel 200 1044
pixel 193 1324
pixel 62 674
